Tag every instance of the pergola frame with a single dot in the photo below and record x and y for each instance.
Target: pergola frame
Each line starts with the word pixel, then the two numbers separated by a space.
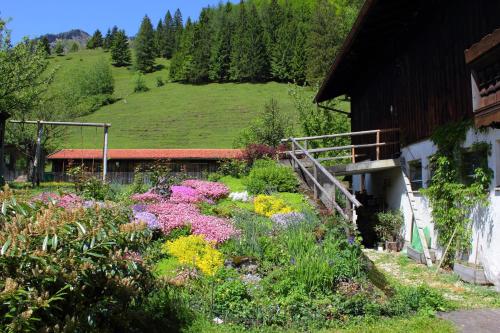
pixel 38 150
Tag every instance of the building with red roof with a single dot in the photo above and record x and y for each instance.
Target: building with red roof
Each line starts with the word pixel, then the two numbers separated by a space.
pixel 123 162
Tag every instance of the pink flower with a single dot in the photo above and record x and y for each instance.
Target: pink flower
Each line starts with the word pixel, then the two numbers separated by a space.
pixel 215 229
pixel 209 190
pixel 185 194
pixel 46 197
pixel 149 196
pixel 70 201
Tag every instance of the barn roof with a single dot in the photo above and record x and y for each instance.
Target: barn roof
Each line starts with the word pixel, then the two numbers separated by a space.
pixel 375 36
pixel 147 154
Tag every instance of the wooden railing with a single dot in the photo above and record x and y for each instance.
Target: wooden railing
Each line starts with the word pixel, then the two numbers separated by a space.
pixel 303 159
pixel 331 194
pixel 352 148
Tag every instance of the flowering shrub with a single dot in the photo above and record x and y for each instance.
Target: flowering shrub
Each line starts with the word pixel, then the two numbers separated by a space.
pixel 209 190
pixel 148 196
pixel 287 219
pixel 67 201
pixel 171 215
pixel 196 252
pixel 268 205
pixel 256 151
pixel 185 194
pixel 73 263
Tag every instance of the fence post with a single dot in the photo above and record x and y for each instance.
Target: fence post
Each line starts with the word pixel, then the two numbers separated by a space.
pixel 315 174
pixel 378 147
pixel 105 154
pixel 294 166
pixel 353 155
pixel 334 199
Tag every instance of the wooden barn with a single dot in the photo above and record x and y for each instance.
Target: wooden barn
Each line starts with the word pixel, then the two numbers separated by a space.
pixel 123 162
pixel 409 67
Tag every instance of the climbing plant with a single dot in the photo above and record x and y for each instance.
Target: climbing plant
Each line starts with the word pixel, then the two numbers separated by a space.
pixel 453 199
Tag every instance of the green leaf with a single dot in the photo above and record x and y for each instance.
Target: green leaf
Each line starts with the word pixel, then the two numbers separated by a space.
pixel 45 241
pixel 80 226
pixel 6 246
pixel 4 207
pixel 54 242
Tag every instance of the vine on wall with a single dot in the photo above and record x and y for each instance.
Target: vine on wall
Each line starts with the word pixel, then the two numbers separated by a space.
pixel 452 199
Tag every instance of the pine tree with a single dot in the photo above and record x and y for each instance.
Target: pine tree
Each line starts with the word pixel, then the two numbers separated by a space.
pixel 299 59
pixel 221 55
pixel 323 41
pixel 107 40
pixel 74 47
pixel 120 51
pixel 59 49
pixel 201 51
pixel 182 61
pixel 145 47
pixel 177 30
pixel 259 58
pixel 45 45
pixel 241 45
pixel 97 39
pixel 282 48
pixel 168 36
pixel 160 39
pixel 272 20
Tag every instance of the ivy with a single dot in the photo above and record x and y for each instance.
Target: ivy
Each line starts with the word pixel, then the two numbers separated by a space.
pixel 453 201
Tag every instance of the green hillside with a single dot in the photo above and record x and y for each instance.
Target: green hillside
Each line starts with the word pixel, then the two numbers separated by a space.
pixel 172 116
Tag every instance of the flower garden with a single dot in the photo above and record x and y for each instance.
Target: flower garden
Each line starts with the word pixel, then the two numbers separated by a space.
pixel 242 251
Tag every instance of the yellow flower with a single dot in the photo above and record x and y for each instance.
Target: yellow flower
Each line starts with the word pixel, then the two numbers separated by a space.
pixel 195 251
pixel 268 206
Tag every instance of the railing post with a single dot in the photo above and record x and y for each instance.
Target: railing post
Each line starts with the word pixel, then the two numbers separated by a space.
pixel 353 154
pixel 334 199
pixel 378 147
pixel 315 174
pixel 305 144
pixel 294 166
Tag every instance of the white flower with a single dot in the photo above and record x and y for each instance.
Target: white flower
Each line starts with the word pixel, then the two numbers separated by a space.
pixel 219 321
pixel 239 196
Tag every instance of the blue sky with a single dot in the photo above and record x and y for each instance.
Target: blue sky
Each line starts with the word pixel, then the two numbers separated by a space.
pixel 33 18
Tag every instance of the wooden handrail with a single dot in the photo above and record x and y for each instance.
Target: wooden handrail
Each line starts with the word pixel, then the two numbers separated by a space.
pixel 330 136
pixel 335 181
pixel 349 147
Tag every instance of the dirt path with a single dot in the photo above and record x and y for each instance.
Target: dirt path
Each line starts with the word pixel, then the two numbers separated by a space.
pixel 474 321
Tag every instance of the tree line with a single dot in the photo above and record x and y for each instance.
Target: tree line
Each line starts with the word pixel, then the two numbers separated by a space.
pixel 253 41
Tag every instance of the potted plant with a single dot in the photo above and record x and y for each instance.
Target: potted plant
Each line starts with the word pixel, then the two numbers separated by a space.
pixel 388 228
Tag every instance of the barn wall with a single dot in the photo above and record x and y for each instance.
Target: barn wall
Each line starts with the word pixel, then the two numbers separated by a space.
pixel 425 83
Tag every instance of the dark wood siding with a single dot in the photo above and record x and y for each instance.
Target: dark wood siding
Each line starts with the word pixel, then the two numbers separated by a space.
pixel 425 82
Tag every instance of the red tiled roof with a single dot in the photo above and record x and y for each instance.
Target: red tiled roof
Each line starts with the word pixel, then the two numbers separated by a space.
pixel 146 154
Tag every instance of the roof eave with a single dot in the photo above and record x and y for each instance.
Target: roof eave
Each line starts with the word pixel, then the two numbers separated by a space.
pixel 322 95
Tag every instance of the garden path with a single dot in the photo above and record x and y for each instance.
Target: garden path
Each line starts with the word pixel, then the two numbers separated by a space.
pixel 474 321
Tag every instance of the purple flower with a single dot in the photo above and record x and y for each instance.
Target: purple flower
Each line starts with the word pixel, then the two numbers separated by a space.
pixel 138 208
pixel 148 218
pixel 287 219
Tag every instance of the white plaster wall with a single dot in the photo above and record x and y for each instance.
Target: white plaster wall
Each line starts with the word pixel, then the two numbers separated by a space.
pixel 486 229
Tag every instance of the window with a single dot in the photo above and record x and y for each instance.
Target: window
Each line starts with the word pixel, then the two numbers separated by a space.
pixel 471 160
pixel 416 174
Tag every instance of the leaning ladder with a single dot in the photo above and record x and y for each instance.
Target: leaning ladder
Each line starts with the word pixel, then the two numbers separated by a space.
pixel 415 217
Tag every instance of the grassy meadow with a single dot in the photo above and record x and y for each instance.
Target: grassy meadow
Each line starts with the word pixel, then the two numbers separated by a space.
pixel 172 116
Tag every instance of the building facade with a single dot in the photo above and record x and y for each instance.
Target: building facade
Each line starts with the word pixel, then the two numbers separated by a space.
pixel 417 66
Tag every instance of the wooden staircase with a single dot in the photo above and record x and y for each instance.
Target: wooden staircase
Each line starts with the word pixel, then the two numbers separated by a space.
pixel 416 218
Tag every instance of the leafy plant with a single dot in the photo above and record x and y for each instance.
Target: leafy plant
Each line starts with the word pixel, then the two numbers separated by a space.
pixel 140 83
pixel 267 176
pixel 389 225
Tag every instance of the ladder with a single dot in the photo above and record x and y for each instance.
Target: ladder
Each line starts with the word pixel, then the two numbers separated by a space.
pixel 415 217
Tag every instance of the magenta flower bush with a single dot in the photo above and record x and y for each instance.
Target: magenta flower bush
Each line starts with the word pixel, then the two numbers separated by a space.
pixel 209 190
pixel 66 201
pixel 185 194
pixel 46 197
pixel 149 197
pixel 171 215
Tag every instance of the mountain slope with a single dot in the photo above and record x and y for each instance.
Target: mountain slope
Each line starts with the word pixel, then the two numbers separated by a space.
pixel 172 116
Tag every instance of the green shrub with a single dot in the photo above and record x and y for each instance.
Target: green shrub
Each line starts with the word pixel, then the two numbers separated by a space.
pixel 233 167
pixel 389 225
pixel 408 299
pixel 140 83
pixel 159 82
pixel 268 176
pixel 77 270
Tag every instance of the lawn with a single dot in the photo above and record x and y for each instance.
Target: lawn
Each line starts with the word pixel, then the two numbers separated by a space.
pixel 174 115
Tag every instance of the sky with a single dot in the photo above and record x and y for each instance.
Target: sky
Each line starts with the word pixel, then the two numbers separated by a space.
pixel 32 18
